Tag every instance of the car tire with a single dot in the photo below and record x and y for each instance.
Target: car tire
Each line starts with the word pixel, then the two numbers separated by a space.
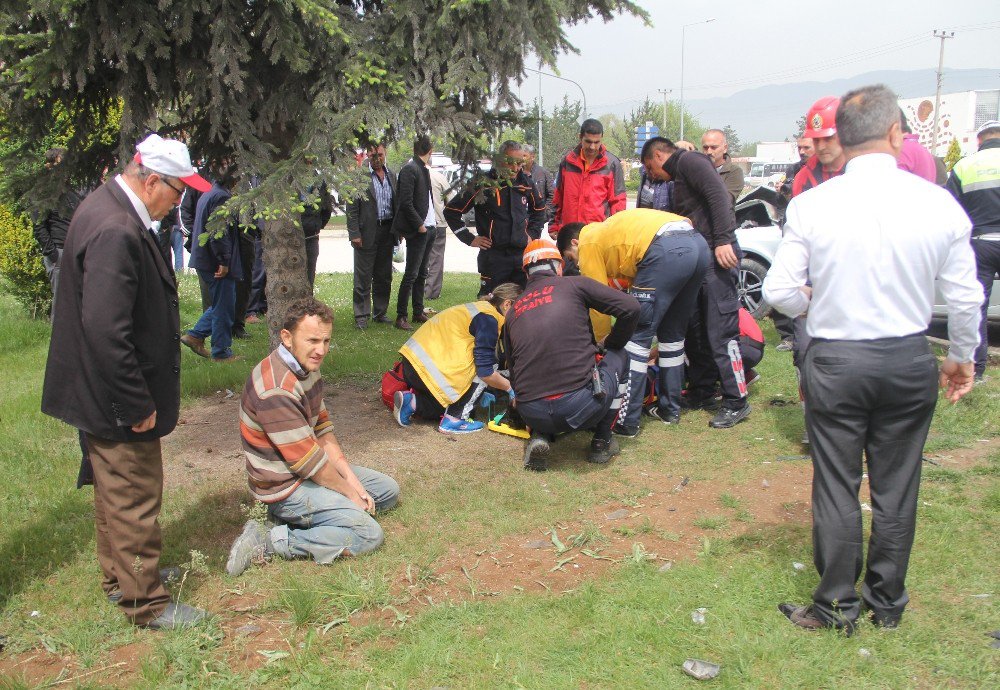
pixel 750 287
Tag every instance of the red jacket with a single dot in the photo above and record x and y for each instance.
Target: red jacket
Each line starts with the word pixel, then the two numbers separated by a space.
pixel 587 194
pixel 812 174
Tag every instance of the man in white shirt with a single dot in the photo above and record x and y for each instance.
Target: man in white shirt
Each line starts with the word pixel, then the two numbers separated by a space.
pixel 872 242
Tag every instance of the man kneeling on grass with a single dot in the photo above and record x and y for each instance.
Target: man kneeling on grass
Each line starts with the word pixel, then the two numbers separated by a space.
pixel 322 506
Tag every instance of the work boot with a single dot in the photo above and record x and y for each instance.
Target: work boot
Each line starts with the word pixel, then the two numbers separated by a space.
pixel 602 450
pixel 197 345
pixel 177 616
pixel 726 418
pixel 536 447
pixel 253 544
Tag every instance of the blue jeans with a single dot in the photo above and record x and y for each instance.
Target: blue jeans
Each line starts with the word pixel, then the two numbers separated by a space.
pixel 177 246
pixel 217 320
pixel 319 522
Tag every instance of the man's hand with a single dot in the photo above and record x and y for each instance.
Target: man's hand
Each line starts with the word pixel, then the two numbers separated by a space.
pixel 356 243
pixel 422 229
pixel 222 271
pixel 481 242
pixel 956 379
pixel 368 503
pixel 148 423
pixel 726 257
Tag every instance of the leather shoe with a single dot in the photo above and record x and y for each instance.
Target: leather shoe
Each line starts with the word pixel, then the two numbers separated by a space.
pixel 420 318
pixel 168 576
pixel 805 617
pixel 197 345
pixel 361 323
pixel 382 318
pixel 726 418
pixel 177 616
pixel 402 324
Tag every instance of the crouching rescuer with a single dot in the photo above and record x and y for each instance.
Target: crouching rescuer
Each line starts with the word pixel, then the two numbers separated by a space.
pixel 562 385
pixel 322 506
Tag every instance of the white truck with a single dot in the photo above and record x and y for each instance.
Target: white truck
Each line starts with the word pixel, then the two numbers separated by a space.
pixel 773 160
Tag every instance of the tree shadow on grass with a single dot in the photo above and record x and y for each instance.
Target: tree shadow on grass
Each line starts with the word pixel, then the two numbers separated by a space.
pixel 42 545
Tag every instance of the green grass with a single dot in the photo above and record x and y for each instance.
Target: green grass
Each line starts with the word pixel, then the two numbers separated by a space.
pixel 630 627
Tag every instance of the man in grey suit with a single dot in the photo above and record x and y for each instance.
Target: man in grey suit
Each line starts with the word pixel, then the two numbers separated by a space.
pixel 369 227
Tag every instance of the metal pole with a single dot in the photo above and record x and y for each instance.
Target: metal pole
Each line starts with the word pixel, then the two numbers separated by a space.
pixel 940 79
pixel 663 132
pixel 704 21
pixel 541 159
pixel 549 74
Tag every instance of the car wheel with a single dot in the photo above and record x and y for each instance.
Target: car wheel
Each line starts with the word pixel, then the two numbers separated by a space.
pixel 751 287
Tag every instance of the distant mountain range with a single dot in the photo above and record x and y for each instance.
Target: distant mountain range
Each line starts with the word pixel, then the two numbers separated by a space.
pixel 769 113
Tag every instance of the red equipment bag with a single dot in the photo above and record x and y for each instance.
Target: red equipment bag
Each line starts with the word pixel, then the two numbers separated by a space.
pixel 392 383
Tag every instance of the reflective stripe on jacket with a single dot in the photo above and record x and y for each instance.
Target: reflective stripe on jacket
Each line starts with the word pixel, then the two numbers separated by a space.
pixel 441 350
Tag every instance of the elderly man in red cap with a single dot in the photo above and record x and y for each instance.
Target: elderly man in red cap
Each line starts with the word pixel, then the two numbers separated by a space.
pixel 113 369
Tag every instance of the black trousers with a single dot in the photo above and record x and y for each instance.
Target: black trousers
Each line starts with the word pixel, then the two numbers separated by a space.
pixel 987 267
pixel 500 265
pixel 581 409
pixel 782 324
pixel 312 256
pixel 373 274
pixel 244 287
pixel 258 286
pixel 427 405
pixel 415 273
pixel 874 397
pixel 713 348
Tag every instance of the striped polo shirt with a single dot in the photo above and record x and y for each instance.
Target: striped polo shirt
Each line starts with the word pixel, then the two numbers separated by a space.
pixel 282 416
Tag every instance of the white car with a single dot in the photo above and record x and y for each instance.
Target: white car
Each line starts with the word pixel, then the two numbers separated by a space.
pixel 759 236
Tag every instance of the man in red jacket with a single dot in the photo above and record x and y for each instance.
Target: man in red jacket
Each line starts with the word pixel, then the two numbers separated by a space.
pixel 590 184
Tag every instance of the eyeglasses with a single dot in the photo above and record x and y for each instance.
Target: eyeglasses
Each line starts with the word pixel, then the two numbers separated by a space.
pixel 179 191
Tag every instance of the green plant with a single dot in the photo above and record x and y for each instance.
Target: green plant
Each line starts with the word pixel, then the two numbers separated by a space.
pixel 21 271
pixel 953 155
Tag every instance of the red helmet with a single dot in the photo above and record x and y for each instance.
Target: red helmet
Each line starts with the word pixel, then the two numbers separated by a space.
pixel 540 250
pixel 821 121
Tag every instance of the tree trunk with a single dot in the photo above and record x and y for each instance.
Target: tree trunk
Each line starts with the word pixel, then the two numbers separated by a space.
pixel 285 261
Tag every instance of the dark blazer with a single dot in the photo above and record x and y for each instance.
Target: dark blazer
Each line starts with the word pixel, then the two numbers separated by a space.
pixel 413 196
pixel 701 196
pixel 362 213
pixel 114 357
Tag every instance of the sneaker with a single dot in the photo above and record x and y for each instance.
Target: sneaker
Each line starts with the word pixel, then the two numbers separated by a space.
pixel 656 413
pixel 785 345
pixel 753 376
pixel 402 407
pixel 726 418
pixel 459 426
pixel 252 545
pixel 602 450
pixel 625 430
pixel 197 345
pixel 709 404
pixel 536 446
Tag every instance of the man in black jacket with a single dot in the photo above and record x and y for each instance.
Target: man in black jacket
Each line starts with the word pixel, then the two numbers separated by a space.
pixel 509 214
pixel 369 228
pixel 51 226
pixel 412 222
pixel 113 369
pixel 713 349
pixel 550 349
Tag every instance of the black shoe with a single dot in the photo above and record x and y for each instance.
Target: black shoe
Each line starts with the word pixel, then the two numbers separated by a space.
pixel 241 334
pixel 536 447
pixel 361 323
pixel 726 418
pixel 381 318
pixel 626 431
pixel 709 404
pixel 602 450
pixel 177 616
pixel 805 617
pixel 168 576
pixel 656 413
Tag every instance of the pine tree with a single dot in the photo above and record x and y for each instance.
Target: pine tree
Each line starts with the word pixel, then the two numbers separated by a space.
pixel 283 88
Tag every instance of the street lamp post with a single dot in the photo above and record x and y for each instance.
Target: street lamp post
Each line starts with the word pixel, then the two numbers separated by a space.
pixel 556 76
pixel 683 29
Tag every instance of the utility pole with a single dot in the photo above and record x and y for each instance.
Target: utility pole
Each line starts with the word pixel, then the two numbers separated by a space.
pixel 665 92
pixel 940 79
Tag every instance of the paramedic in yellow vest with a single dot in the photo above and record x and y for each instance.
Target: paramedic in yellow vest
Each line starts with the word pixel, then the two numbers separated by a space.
pixel 664 260
pixel 451 360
